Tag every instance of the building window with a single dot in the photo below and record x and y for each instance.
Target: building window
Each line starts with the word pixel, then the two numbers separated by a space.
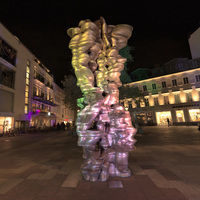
pixel 177 98
pixel 7 52
pixel 164 84
pixel 27 87
pixel 35 73
pixel 146 102
pixel 144 88
pixel 185 80
pixel 156 101
pixel 197 77
pixel 174 83
pixel 166 100
pixel 189 97
pixel 153 86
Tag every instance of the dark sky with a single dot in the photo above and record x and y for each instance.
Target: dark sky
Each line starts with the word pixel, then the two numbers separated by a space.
pixel 161 28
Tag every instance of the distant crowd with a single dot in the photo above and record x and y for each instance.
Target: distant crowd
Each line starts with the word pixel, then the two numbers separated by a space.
pixel 62 127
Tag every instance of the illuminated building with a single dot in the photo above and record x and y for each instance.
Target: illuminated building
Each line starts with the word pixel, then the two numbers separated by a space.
pixel 171 91
pixel 28 94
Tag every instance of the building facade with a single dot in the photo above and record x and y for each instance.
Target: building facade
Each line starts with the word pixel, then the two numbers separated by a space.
pixel 171 91
pixel 28 94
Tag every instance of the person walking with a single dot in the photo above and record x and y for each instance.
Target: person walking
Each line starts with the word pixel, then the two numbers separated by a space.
pixel 58 127
pixel 168 121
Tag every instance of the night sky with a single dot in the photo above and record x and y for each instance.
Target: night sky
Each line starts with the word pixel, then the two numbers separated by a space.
pixel 161 28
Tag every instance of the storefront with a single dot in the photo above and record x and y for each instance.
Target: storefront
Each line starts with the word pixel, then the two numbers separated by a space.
pixel 161 117
pixel 5 124
pixel 144 118
pixel 41 119
pixel 194 115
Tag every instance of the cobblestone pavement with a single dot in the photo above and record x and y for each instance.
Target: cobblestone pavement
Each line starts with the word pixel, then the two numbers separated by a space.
pixel 45 166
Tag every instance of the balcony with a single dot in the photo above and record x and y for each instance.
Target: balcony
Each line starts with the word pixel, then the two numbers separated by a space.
pixel 43 100
pixel 49 85
pixel 40 78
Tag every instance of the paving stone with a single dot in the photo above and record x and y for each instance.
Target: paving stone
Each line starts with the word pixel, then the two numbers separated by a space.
pixel 164 167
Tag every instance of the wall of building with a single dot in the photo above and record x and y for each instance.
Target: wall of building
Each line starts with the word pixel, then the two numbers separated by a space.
pixel 174 96
pixel 19 101
pixel 194 42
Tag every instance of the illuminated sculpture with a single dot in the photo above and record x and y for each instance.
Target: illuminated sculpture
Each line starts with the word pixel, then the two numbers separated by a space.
pixel 104 127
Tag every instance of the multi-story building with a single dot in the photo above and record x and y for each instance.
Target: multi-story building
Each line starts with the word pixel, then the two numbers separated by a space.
pixel 28 94
pixel 171 91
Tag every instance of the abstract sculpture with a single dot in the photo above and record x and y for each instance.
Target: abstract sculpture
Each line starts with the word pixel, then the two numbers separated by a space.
pixel 104 126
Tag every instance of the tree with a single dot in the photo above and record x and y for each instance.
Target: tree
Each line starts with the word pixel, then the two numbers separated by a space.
pixel 72 93
pixel 126 53
pixel 126 92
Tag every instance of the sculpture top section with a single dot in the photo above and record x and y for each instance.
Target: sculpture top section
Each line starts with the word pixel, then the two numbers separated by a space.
pixel 95 47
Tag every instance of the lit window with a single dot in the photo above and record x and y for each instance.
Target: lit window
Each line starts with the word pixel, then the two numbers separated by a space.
pixel 27 75
pixel 156 101
pixel 28 63
pixel 153 86
pixel 27 81
pixel 164 84
pixel 27 69
pixel 27 88
pixel 26 94
pixel 174 83
pixel 26 100
pixel 26 109
pixel 185 80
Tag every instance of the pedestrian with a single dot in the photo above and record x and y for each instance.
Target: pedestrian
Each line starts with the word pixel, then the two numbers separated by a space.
pixel 54 127
pixel 58 127
pixel 62 126
pixel 199 126
pixel 68 126
pixel 168 121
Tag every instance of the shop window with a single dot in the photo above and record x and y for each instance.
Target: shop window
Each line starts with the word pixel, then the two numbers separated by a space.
pixel 180 116
pixel 164 84
pixel 5 124
pixel 161 117
pixel 141 118
pixel 185 80
pixel 194 115
pixel 174 82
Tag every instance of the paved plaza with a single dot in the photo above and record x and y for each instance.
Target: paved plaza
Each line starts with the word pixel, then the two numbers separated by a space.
pixel 46 166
